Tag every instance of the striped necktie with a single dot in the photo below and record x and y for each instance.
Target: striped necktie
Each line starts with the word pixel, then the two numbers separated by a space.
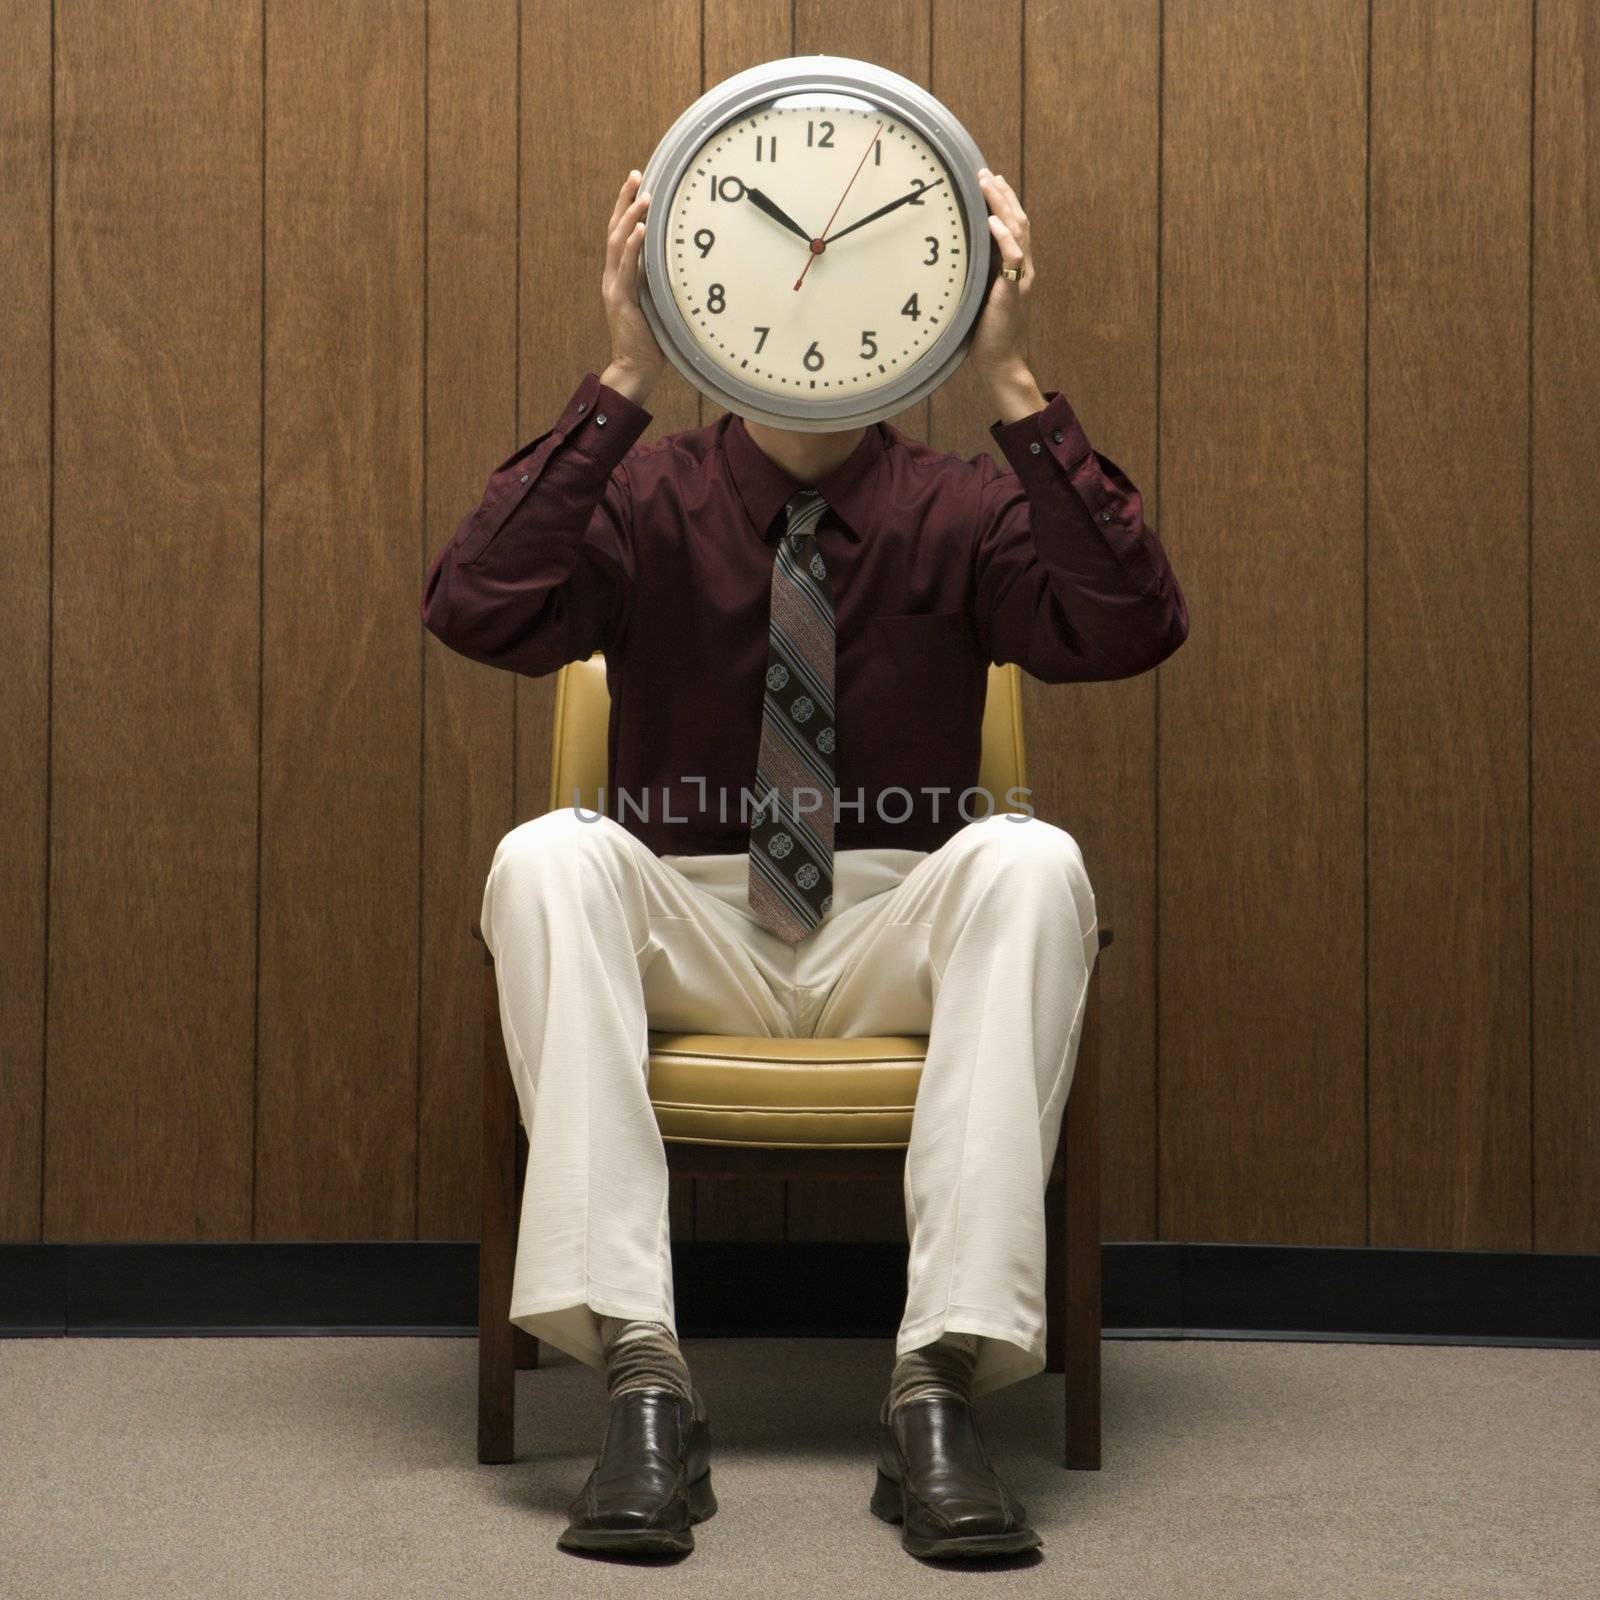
pixel 791 837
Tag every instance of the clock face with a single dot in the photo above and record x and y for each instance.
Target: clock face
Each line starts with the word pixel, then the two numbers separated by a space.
pixel 782 318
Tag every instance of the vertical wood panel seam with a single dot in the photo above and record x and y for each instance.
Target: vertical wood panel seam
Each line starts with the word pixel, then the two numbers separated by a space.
pixel 261 640
pixel 1366 664
pixel 422 651
pixel 1533 1068
pixel 49 648
pixel 1155 712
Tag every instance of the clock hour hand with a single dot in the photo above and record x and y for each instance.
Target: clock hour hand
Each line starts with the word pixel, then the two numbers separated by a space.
pixel 777 213
pixel 872 216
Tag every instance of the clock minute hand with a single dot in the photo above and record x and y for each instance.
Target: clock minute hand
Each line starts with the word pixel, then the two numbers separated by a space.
pixel 777 213
pixel 820 243
pixel 872 216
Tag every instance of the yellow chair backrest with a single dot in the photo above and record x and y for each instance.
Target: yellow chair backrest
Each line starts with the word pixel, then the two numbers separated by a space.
pixel 583 707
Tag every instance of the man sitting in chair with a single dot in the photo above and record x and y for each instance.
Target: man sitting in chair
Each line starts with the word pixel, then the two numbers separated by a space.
pixel 797 630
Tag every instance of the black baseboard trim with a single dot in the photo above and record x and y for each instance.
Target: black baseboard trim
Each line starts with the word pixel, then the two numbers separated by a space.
pixel 1160 1290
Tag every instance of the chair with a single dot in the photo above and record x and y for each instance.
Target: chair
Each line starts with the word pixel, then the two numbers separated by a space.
pixel 806 1108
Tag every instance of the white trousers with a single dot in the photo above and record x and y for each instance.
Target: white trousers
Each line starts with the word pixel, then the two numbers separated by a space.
pixel 984 945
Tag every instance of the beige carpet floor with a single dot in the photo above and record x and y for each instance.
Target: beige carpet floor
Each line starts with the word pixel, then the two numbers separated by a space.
pixel 245 1468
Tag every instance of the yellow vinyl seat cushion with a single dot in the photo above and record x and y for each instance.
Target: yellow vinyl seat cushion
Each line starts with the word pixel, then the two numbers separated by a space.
pixel 818 1093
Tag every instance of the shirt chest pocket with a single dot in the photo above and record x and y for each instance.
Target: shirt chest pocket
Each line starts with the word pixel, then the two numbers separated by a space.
pixel 927 674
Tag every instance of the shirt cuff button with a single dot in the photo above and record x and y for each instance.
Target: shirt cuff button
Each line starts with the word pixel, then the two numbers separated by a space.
pixel 1035 447
pixel 523 478
pixel 599 419
pixel 1056 436
pixel 1105 516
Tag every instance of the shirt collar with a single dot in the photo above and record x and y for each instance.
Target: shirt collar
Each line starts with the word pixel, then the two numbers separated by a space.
pixel 765 487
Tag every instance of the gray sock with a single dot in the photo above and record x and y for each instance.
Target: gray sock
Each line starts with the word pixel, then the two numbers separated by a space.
pixel 944 1367
pixel 645 1355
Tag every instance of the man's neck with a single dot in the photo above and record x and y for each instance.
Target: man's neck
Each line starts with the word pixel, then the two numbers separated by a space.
pixel 806 457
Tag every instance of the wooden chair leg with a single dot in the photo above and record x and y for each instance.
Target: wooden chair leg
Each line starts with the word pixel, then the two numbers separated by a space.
pixel 1081 1228
pixel 1055 1265
pixel 497 1372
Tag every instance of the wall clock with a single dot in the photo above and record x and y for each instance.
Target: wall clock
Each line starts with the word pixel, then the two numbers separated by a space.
pixel 817 249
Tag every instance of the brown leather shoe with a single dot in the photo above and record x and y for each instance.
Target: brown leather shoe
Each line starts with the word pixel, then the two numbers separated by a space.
pixel 651 1482
pixel 935 1477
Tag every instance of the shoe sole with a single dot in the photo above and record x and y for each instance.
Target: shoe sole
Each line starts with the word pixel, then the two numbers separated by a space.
pixel 647 1541
pixel 888 1502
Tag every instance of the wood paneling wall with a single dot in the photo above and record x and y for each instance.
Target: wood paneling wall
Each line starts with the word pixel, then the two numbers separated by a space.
pixel 26 329
pixel 1448 708
pixel 156 669
pixel 1259 857
pixel 1564 598
pixel 280 284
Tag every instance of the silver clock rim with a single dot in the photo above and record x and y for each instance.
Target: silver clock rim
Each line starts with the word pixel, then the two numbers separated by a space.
pixel 726 102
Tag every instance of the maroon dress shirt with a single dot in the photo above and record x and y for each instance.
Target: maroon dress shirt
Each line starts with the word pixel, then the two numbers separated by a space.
pixel 660 554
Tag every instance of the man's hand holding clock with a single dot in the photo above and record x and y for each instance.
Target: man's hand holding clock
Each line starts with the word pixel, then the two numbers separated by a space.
pixel 999 348
pixel 636 357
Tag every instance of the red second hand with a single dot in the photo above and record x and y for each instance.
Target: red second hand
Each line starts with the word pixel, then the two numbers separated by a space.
pixel 820 243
